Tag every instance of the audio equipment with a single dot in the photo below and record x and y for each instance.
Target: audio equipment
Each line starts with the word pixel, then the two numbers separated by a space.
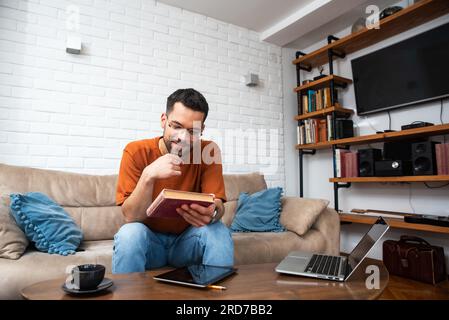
pixel 419 124
pixel 424 158
pixel 398 150
pixel 367 157
pixel 393 168
pixel 344 128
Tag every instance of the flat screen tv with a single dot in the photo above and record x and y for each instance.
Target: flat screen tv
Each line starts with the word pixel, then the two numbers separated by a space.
pixel 412 71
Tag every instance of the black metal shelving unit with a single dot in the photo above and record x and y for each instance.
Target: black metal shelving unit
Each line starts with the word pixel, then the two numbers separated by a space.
pixel 331 54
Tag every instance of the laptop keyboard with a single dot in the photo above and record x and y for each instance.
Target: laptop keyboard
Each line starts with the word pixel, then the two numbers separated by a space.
pixel 322 264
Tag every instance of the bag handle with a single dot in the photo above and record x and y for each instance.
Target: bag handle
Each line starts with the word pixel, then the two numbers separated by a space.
pixel 405 238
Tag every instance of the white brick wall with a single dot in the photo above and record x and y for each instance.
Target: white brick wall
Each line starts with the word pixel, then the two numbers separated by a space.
pixel 77 112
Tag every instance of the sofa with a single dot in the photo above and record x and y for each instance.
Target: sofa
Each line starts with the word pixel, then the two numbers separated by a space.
pixel 90 200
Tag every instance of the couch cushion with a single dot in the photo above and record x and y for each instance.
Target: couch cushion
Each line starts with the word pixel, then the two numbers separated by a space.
pixel 264 247
pixel 67 189
pixel 13 241
pixel 35 266
pixel 230 208
pixel 236 183
pixel 299 214
pixel 258 212
pixel 46 223
pixel 97 223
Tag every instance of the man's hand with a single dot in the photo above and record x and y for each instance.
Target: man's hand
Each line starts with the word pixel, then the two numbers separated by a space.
pixel 197 215
pixel 167 166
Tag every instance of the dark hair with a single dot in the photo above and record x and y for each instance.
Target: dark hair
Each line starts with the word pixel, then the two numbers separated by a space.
pixel 191 98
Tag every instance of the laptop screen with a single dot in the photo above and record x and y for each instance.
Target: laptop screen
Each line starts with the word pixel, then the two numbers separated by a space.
pixel 367 243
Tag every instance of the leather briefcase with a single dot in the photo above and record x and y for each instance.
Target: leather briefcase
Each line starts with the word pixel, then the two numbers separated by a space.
pixel 414 258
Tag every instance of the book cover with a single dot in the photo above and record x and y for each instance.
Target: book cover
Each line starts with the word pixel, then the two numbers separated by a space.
pixel 305 103
pixel 162 215
pixel 439 155
pixel 352 167
pixel 322 125
pixel 166 203
pixel 446 158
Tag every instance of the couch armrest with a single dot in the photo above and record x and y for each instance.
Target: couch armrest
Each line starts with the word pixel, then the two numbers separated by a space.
pixel 328 223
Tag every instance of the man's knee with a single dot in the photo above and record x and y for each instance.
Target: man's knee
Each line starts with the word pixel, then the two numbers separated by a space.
pixel 216 231
pixel 131 234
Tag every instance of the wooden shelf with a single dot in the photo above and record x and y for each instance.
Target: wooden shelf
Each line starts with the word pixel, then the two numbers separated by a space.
pixel 323 82
pixel 394 223
pixel 393 179
pixel 324 112
pixel 406 19
pixel 314 146
pixel 381 137
pixel 397 135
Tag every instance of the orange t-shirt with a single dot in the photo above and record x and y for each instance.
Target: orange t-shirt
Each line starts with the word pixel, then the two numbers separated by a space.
pixel 206 178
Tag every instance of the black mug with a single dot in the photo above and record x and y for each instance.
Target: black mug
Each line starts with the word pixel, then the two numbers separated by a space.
pixel 87 276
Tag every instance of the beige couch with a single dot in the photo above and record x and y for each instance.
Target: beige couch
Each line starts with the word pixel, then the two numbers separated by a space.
pixel 90 201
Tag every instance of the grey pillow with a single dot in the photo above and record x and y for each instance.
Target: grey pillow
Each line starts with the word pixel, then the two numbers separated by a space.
pixel 299 214
pixel 13 241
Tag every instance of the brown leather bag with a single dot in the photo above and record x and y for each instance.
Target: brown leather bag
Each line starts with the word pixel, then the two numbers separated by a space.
pixel 414 258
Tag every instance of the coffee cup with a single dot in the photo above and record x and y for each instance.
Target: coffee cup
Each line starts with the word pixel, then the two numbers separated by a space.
pixel 87 276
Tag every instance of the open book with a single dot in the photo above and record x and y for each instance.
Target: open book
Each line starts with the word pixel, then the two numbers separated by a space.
pixel 165 204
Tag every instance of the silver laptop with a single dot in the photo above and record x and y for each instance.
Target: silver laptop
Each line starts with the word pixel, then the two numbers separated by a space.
pixel 338 268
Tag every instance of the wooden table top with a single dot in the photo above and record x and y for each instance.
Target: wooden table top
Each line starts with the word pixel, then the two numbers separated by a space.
pixel 251 282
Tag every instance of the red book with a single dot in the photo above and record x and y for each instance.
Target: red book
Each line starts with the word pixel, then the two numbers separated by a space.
pixel 162 214
pixel 353 168
pixel 446 158
pixel 439 155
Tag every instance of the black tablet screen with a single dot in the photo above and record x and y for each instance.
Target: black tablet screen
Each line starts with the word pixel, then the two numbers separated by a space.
pixel 196 275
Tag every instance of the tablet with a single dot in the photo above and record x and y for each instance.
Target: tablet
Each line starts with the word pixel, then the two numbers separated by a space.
pixel 198 275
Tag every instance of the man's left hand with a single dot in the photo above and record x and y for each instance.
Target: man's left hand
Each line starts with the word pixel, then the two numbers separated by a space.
pixel 197 215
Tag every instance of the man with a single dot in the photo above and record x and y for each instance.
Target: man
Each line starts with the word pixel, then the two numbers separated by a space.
pixel 147 167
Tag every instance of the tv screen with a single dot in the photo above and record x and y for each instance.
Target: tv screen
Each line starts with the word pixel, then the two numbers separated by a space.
pixel 409 72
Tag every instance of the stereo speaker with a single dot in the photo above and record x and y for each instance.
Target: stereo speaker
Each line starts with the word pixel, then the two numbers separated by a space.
pixel 423 158
pixel 393 168
pixel 367 158
pixel 398 150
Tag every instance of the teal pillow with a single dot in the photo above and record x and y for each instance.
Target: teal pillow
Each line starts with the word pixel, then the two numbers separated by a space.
pixel 259 212
pixel 45 223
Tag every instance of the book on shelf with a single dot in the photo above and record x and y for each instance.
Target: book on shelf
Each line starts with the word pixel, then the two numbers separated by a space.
pixel 351 164
pixel 305 103
pixel 312 131
pixel 162 215
pixel 322 130
pixel 346 163
pixel 442 158
pixel 314 100
pixel 340 162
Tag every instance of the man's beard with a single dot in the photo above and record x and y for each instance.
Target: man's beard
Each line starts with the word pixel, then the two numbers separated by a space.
pixel 174 145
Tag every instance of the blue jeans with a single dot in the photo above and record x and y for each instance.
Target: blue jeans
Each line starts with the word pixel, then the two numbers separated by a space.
pixel 137 248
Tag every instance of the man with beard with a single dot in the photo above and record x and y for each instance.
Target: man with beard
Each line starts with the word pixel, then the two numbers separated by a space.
pixel 171 162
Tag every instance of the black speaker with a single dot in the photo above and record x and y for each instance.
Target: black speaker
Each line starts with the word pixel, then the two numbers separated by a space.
pixel 398 150
pixel 423 158
pixel 393 168
pixel 344 128
pixel 367 157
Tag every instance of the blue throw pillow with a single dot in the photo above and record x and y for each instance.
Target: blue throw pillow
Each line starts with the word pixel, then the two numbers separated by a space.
pixel 45 223
pixel 258 212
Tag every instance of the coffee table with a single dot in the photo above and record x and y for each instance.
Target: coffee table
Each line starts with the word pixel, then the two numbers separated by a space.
pixel 251 282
